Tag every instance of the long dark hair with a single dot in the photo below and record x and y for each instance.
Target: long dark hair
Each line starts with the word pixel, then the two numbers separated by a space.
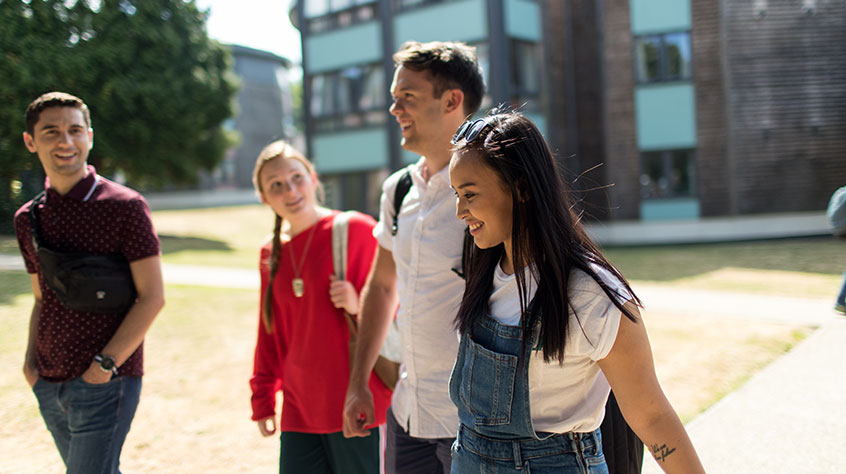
pixel 547 235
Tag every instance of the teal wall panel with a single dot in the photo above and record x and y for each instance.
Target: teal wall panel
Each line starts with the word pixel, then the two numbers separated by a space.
pixel 465 20
pixel 666 116
pixel 523 20
pixel 665 209
pixel 357 44
pixel 350 151
pixel 658 16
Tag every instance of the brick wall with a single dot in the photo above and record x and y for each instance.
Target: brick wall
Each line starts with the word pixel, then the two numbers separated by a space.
pixel 786 72
pixel 713 177
pixel 622 160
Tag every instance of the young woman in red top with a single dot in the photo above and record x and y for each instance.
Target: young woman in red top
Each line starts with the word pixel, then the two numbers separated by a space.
pixel 303 340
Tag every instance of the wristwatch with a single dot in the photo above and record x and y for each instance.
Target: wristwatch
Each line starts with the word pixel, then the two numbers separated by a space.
pixel 107 363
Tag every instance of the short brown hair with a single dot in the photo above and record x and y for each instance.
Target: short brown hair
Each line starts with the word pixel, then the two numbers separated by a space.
pixel 53 99
pixel 453 65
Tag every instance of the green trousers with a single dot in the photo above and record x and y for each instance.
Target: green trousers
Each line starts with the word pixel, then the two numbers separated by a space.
pixel 328 453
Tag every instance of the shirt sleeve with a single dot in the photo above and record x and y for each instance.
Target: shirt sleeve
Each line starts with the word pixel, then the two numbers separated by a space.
pixel 382 231
pixel 139 238
pixel 267 378
pixel 23 232
pixel 594 318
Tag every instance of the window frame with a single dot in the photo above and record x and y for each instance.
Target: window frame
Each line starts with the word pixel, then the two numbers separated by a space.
pixel 360 11
pixel 668 156
pixel 663 76
pixel 348 114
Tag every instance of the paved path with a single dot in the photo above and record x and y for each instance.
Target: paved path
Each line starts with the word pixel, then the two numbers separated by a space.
pixel 788 418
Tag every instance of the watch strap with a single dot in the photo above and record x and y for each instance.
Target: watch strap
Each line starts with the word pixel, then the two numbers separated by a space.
pixel 107 363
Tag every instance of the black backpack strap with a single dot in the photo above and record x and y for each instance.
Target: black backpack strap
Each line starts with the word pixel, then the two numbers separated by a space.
pixel 33 218
pixel 403 186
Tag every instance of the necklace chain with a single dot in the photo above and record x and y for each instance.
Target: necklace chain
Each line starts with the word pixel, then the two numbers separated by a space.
pixel 297 284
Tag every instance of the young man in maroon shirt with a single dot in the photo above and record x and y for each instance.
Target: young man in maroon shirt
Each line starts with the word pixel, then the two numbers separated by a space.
pixel 85 368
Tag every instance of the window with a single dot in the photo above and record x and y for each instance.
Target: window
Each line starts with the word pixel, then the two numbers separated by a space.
pixel 667 174
pixel 351 97
pixel 405 4
pixel 664 57
pixel 326 15
pixel 526 65
pixel 315 8
pixel 355 190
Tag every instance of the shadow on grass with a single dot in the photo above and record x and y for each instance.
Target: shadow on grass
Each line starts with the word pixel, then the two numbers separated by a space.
pixel 169 243
pixel 823 255
pixel 14 284
pixel 173 244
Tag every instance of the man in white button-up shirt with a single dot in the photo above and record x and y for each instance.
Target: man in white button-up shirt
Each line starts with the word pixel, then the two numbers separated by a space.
pixel 436 86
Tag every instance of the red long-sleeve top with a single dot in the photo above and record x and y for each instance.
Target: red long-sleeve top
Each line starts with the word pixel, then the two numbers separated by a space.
pixel 307 354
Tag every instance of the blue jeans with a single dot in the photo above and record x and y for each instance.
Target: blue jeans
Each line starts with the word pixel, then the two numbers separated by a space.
pixel 841 298
pixel 89 422
pixel 564 453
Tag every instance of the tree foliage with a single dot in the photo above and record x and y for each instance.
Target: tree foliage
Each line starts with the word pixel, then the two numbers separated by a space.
pixel 158 88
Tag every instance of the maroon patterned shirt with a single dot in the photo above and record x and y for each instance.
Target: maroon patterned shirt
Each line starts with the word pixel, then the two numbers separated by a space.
pixel 96 216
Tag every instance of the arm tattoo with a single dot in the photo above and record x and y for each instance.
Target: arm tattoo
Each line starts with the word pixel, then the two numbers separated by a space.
pixel 661 453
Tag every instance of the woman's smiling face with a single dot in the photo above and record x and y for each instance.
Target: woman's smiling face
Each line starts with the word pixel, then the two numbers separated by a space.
pixel 483 201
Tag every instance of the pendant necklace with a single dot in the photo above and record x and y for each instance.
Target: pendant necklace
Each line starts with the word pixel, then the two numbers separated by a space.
pixel 297 284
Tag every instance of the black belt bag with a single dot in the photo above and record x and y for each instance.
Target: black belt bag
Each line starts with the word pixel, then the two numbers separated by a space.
pixel 92 283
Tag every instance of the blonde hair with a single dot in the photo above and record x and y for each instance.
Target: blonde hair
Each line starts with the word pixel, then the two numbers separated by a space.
pixel 278 149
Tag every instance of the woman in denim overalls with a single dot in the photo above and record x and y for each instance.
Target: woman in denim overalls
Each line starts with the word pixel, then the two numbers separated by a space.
pixel 543 312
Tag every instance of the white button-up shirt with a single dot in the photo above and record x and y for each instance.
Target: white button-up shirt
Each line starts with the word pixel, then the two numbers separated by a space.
pixel 427 246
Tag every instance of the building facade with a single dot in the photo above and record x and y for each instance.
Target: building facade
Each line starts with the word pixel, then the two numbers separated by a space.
pixel 699 109
pixel 657 109
pixel 347 71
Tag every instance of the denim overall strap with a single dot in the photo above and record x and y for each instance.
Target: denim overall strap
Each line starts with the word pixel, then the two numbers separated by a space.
pixel 490 380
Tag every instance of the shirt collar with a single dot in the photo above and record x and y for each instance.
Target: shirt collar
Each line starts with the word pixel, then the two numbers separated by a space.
pixel 417 175
pixel 82 190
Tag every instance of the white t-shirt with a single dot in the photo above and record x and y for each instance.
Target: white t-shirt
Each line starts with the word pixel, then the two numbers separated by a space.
pixel 572 396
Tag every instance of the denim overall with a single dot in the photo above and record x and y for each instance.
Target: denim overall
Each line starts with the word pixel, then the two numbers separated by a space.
pixel 490 387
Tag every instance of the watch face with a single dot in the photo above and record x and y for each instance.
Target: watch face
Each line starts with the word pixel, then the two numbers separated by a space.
pixel 108 363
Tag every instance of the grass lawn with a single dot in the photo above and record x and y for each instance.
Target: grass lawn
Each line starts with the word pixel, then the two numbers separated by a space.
pixel 807 267
pixel 194 412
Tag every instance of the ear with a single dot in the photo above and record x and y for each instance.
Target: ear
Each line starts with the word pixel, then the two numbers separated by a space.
pixel 90 139
pixel 29 142
pixel 453 100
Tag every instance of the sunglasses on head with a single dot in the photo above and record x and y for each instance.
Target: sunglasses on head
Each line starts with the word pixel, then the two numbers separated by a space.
pixel 470 130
